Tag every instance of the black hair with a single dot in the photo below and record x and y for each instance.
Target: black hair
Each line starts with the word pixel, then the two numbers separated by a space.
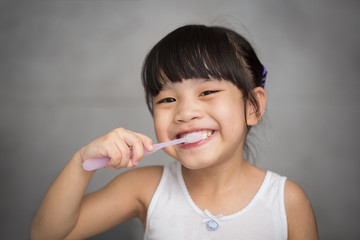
pixel 198 51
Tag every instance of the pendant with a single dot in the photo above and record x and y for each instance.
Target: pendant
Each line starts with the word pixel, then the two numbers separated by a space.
pixel 212 225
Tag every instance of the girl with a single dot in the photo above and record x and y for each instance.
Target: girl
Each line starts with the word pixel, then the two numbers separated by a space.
pixel 197 79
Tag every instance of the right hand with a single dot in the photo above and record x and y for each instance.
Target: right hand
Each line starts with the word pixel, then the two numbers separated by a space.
pixel 116 146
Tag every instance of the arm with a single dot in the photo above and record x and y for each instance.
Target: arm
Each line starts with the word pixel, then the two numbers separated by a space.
pixel 64 206
pixel 59 208
pixel 300 215
pixel 127 196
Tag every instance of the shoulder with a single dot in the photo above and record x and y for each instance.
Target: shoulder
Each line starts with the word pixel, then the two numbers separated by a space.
pixel 143 173
pixel 300 215
pixel 143 180
pixel 139 184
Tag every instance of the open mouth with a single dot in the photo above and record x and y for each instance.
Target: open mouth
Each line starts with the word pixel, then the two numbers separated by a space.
pixel 204 134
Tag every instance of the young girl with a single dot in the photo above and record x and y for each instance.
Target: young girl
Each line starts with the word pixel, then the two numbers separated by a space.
pixel 197 79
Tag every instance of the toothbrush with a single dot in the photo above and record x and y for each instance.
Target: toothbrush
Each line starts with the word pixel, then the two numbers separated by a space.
pixel 95 163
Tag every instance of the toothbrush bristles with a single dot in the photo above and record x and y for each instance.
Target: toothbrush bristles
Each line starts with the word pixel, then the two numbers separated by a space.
pixel 193 137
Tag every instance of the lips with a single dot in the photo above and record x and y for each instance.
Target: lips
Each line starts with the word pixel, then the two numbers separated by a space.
pixel 205 133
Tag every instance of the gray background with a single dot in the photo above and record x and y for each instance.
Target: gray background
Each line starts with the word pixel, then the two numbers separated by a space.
pixel 70 72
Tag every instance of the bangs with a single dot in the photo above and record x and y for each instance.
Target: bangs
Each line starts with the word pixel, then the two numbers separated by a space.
pixel 193 51
pixel 199 53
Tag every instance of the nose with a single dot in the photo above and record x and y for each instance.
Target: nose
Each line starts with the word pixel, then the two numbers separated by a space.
pixel 187 111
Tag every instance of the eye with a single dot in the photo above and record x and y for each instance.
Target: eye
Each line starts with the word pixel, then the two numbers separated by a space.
pixel 208 92
pixel 167 100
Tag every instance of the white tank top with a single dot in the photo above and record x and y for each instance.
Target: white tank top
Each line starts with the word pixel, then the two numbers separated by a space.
pixel 172 214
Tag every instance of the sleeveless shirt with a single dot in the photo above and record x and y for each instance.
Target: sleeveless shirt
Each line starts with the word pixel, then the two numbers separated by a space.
pixel 172 214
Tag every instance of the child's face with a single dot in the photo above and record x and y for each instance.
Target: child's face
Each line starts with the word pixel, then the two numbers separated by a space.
pixel 213 107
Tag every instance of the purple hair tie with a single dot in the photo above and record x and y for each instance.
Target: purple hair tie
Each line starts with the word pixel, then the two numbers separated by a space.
pixel 263 80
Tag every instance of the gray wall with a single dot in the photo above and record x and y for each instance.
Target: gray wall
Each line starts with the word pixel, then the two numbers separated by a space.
pixel 70 72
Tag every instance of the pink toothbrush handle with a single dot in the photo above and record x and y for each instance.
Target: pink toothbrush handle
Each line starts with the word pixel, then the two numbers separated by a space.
pixel 96 163
pixel 155 147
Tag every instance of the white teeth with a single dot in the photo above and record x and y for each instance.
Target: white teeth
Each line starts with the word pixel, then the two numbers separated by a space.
pixel 204 135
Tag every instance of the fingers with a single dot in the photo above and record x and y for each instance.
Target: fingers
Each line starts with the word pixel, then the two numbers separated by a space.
pixel 123 147
pixel 138 153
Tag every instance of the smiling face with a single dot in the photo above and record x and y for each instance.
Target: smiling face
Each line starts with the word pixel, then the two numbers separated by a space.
pixel 213 107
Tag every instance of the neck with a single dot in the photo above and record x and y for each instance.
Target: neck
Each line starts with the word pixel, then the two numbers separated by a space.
pixel 225 187
pixel 217 179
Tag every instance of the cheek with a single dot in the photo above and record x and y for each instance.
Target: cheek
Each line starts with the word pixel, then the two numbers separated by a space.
pixel 230 108
pixel 160 126
pixel 231 117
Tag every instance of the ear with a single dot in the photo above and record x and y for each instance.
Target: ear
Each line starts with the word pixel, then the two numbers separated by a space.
pixel 254 115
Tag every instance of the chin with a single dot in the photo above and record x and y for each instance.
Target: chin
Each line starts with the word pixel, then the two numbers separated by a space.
pixel 196 163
